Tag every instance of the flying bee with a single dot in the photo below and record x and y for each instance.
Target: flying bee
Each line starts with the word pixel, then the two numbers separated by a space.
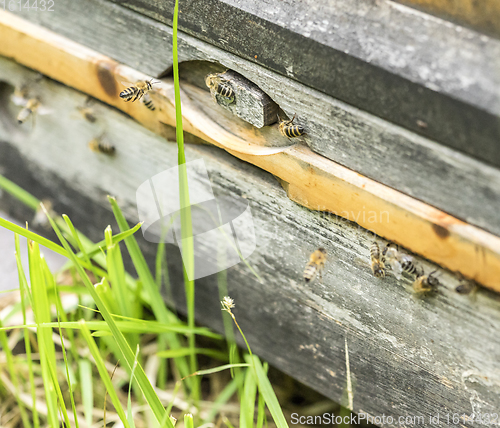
pixel 87 111
pixel 148 102
pixel 315 265
pixel 425 283
pixel 392 257
pixel 136 91
pixel 219 86
pixel 31 107
pixel 98 145
pixel 376 262
pixel 287 129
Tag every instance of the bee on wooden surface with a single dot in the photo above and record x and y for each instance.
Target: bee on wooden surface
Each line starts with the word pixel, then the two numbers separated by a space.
pixel 287 129
pixel 219 86
pixel 148 102
pixel 136 91
pixel 315 265
pixel 87 111
pixel 99 145
pixel 466 286
pixel 376 263
pixel 425 283
pixel 399 262
pixel 409 267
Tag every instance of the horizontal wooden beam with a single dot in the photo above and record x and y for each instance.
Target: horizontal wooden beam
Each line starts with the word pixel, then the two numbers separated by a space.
pixel 483 15
pixel 312 180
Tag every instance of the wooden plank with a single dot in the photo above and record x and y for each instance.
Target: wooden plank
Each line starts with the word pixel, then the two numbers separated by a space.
pixel 358 140
pixel 482 15
pixel 408 356
pixel 313 180
pixel 387 59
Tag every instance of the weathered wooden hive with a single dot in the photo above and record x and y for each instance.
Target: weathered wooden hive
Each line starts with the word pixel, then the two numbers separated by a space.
pixel 402 117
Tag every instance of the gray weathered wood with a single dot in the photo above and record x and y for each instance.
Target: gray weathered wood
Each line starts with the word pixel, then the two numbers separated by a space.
pixel 383 57
pixel 449 180
pixel 408 356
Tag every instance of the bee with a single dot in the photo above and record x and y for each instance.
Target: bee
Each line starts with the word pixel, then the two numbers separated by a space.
pixel 399 262
pixel 425 283
pixel 287 129
pixel 219 86
pixel 31 107
pixel 392 256
pixel 315 265
pixel 376 262
pixel 137 91
pixel 148 102
pixel 87 111
pixel 466 286
pixel 98 145
pixel 409 267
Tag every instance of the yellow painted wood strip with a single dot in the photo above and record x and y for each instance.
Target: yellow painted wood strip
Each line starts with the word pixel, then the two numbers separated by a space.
pixel 311 180
pixel 483 15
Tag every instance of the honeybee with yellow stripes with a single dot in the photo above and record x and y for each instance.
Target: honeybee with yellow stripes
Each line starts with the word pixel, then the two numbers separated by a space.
pixel 136 91
pixel 288 129
pixel 219 86
pixel 315 265
pixel 99 145
pixel 376 262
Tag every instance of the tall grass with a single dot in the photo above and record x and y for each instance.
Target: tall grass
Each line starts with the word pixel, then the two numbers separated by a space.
pixel 76 345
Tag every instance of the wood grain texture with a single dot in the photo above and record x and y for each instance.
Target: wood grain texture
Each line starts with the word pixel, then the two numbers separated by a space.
pixel 483 15
pixel 408 356
pixel 453 182
pixel 313 180
pixel 380 56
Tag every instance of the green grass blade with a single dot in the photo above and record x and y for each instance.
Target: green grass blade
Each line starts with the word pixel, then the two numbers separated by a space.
pixel 24 290
pixel 188 421
pixel 104 375
pixel 247 401
pixel 186 219
pixel 160 311
pixel 87 390
pixel 41 311
pixel 19 193
pixel 219 369
pixel 142 380
pixel 267 392
pixel 13 375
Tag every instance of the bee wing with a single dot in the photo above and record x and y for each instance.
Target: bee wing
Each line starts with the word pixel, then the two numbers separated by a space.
pixel 127 84
pixel 19 101
pixel 42 110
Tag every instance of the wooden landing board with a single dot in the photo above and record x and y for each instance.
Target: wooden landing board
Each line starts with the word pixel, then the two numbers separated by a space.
pixel 313 180
pixel 408 356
